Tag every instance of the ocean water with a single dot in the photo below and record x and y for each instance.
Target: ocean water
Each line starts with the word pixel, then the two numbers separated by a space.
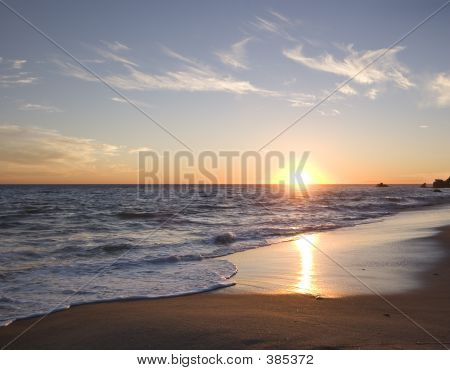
pixel 66 245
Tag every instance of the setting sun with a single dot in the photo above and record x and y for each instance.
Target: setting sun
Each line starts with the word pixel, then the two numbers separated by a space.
pixel 306 176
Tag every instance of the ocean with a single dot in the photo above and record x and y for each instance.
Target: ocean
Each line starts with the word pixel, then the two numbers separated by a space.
pixel 62 245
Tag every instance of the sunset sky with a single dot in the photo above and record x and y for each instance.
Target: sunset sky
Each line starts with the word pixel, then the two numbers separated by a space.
pixel 224 76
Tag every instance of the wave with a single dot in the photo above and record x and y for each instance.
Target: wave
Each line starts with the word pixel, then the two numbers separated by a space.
pixel 6 300
pixel 113 248
pixel 211 287
pixel 40 209
pixel 130 215
pixel 216 206
pixel 175 258
pixel 4 323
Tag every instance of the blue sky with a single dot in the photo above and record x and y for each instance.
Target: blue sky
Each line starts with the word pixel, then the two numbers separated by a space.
pixel 225 75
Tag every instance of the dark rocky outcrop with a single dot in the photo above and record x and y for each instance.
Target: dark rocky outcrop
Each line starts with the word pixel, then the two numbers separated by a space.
pixel 438 183
pixel 381 185
pixel 424 185
pixel 226 238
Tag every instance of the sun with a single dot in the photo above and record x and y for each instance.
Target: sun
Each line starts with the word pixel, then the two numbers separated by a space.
pixel 306 177
pixel 298 178
pixel 310 174
pixel 286 177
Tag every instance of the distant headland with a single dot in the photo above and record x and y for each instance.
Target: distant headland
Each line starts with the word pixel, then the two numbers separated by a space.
pixel 438 183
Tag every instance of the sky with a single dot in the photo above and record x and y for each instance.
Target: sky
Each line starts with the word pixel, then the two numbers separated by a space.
pixel 223 76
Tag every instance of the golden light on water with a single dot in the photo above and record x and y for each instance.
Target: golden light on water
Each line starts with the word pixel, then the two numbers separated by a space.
pixel 306 250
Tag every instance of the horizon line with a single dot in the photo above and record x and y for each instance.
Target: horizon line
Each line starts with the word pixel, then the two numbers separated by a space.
pixel 215 184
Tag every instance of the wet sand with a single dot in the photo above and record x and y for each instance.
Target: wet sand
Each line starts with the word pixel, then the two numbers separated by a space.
pixel 248 320
pixel 391 256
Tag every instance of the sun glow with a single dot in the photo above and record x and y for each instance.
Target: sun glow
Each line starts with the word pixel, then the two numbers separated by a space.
pixel 305 177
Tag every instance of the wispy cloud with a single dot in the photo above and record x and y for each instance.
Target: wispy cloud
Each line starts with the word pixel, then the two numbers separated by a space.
pixel 139 149
pixel 387 68
pixel 39 107
pixel 34 154
pixel 192 76
pixel 17 79
pixel 332 112
pixel 72 70
pixel 115 46
pixel 290 81
pixel 173 54
pixel 236 56
pixel 115 57
pixel 372 93
pixel 10 74
pixel 13 63
pixel 265 25
pixel 348 90
pixel 18 63
pixel 280 17
pixel 93 61
pixel 188 79
pixel 276 24
pixel 439 88
pixel 301 99
pixel 37 147
pixel 137 102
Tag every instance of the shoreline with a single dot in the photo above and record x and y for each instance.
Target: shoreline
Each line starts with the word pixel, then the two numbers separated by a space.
pixel 225 288
pixel 220 320
pixel 394 254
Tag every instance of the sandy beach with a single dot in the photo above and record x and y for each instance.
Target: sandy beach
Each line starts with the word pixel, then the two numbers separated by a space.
pixel 241 318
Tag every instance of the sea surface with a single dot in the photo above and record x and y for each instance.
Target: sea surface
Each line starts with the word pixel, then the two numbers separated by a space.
pixel 62 245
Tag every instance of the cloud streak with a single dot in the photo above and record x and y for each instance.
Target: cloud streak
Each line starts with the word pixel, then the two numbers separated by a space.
pixel 348 90
pixel 116 46
pixel 276 24
pixel 301 99
pixel 75 71
pixel 439 87
pixel 192 77
pixel 236 56
pixel 18 63
pixel 38 155
pixel 36 147
pixel 114 57
pixel 39 107
pixel 17 79
pixel 137 102
pixel 372 93
pixel 11 74
pixel 385 69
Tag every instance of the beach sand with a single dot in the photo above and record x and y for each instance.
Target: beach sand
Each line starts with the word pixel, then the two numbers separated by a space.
pixel 242 318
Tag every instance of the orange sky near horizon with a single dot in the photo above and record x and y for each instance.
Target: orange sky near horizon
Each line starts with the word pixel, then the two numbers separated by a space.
pixel 105 172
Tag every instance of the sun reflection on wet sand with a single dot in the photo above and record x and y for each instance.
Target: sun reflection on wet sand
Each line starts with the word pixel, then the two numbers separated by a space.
pixel 305 282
